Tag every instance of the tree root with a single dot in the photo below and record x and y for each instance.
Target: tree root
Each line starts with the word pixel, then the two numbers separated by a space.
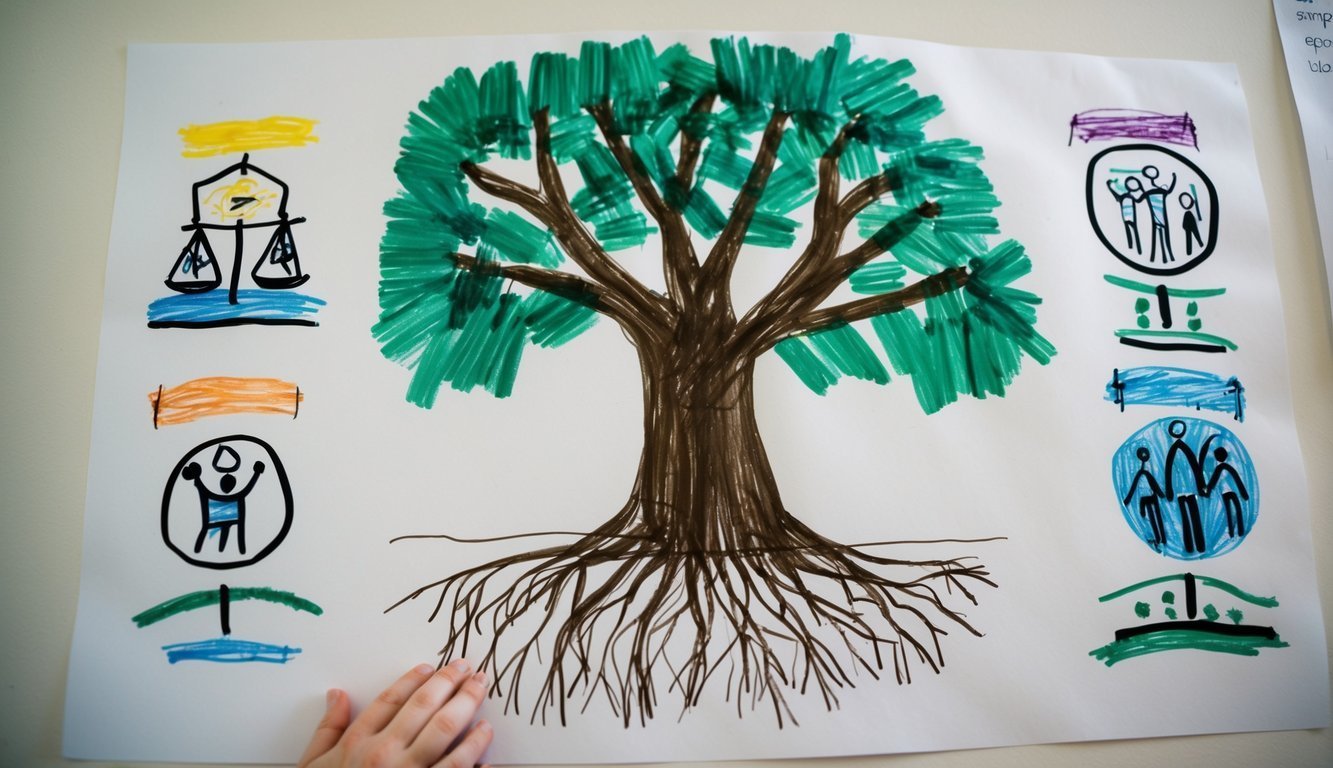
pixel 620 614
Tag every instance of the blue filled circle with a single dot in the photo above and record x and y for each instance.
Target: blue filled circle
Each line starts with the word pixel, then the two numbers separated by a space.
pixel 1186 487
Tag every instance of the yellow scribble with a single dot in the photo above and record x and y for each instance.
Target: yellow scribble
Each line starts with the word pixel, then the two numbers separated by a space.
pixel 228 136
pixel 242 199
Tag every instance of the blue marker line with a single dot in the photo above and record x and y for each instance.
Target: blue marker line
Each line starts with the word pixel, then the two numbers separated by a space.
pixel 253 305
pixel 228 650
pixel 1177 387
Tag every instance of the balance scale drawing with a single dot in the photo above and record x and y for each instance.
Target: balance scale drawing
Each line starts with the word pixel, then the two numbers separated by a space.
pixel 209 293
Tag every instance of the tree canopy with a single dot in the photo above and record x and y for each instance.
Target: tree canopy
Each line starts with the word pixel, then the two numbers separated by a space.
pixel 708 158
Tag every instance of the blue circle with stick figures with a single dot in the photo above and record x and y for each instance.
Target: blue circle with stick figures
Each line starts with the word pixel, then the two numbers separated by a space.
pixel 1187 487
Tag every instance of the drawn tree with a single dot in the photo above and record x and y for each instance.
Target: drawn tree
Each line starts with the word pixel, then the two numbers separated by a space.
pixel 704 572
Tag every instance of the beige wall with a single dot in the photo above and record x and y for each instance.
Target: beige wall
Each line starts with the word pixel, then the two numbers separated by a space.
pixel 62 81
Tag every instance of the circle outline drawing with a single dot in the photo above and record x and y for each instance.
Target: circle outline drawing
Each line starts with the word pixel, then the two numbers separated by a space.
pixel 1209 515
pixel 1179 268
pixel 278 471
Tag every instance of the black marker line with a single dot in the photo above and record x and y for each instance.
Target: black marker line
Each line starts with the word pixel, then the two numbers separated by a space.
pixel 1164 305
pixel 229 322
pixel 1172 346
pixel 224 608
pixel 238 256
pixel 1200 625
pixel 241 224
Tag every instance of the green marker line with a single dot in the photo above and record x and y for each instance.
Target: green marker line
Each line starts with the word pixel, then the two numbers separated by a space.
pixel 1182 639
pixel 1181 293
pixel 1208 581
pixel 1193 335
pixel 209 597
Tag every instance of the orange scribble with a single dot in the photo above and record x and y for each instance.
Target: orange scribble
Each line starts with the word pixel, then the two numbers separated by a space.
pixel 223 396
pixel 228 136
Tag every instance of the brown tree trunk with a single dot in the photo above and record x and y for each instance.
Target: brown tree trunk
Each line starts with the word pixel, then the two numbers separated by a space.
pixel 705 486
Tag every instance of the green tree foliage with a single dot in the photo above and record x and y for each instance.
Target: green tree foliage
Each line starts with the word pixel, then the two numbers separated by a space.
pixel 475 267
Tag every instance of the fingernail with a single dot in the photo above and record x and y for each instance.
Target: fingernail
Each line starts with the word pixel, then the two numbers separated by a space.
pixel 479 678
pixel 331 698
pixel 482 725
pixel 424 669
pixel 462 665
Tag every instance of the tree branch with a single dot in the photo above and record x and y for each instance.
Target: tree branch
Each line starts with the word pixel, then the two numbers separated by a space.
pixel 562 284
pixel 833 218
pixel 865 252
pixel 951 279
pixel 722 259
pixel 508 190
pixel 806 286
pixel 630 163
pixel 865 193
pixel 653 314
pixel 825 236
pixel 638 310
pixel 690 146
pixel 679 263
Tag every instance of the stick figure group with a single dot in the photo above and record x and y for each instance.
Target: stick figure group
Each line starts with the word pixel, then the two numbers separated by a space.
pixel 1155 194
pixel 1221 478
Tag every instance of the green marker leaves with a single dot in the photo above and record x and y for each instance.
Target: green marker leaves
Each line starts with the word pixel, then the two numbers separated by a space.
pixel 878 277
pixel 971 341
pixel 553 83
pixel 634 143
pixel 514 238
pixel 503 119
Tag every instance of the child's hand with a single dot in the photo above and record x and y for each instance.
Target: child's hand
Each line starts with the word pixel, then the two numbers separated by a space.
pixel 423 719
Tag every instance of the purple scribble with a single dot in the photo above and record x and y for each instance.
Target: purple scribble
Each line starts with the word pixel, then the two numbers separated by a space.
pixel 1107 124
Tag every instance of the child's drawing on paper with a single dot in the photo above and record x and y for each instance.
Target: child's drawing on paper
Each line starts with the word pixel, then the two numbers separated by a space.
pixel 214 396
pixel 1152 207
pixel 209 288
pixel 1169 386
pixel 1187 487
pixel 704 579
pixel 1158 322
pixel 1178 623
pixel 1113 124
pixel 227 504
pixel 225 648
pixel 231 136
pixel 745 410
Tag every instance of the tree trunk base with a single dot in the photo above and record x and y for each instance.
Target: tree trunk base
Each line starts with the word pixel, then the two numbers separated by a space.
pixel 620 616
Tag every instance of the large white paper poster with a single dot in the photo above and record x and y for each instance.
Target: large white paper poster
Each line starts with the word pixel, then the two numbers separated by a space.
pixel 1076 511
